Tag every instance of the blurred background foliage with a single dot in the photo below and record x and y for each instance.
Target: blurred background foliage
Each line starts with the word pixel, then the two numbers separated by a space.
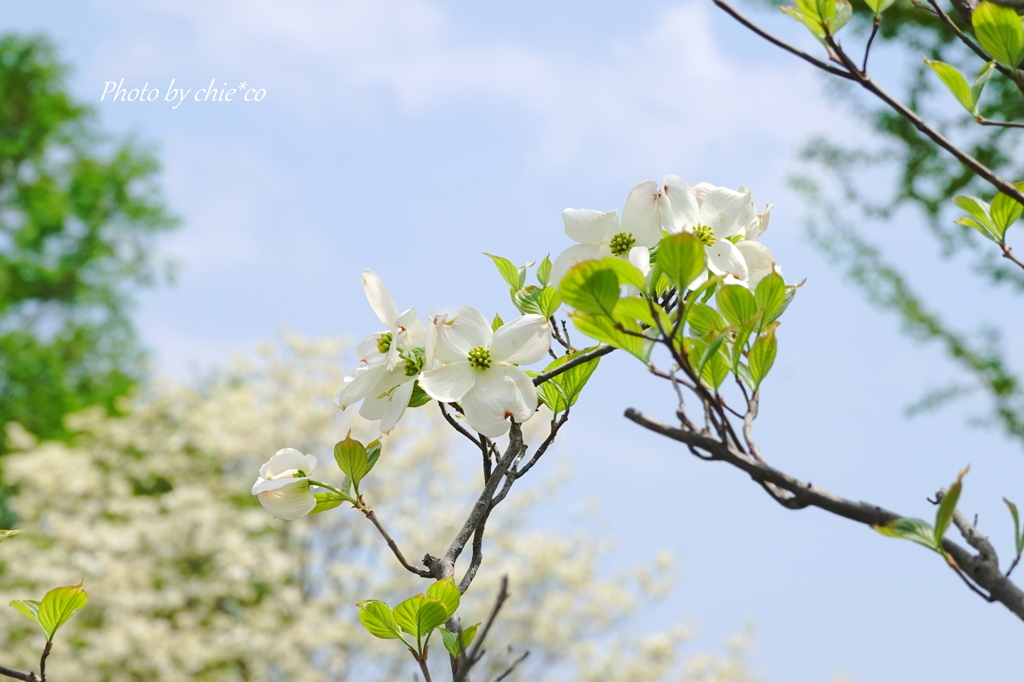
pixel 78 214
pixel 859 193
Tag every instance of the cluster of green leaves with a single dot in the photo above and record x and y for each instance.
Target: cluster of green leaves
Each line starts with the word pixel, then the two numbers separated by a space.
pixel 355 461
pixel 737 336
pixel 991 220
pixel 920 531
pixel 418 617
pixel 56 608
pixel 77 215
pixel 541 300
pixel 561 391
pixel 821 17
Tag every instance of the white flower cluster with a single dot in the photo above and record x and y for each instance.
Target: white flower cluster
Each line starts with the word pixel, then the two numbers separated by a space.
pixel 461 360
pixel 724 220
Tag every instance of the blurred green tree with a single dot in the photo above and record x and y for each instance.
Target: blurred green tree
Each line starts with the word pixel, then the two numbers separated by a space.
pixel 78 212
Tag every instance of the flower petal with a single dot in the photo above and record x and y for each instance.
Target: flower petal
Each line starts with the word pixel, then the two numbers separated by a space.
pixel 367 351
pixel 450 382
pixel 570 257
pixel 380 299
pixel 522 341
pixel 291 502
pixel 642 215
pixel 680 211
pixel 500 392
pixel 358 384
pixel 469 330
pixel 286 459
pixel 727 212
pixel 725 259
pixel 700 189
pixel 640 257
pixel 759 260
pixel 397 402
pixel 587 226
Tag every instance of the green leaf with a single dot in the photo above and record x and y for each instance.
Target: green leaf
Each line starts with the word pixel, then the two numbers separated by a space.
pixel 561 392
pixel 509 272
pixel 710 351
pixel 325 501
pixel 419 397
pixel 544 271
pixel 419 615
pixel 705 320
pixel 591 287
pixel 944 515
pixel 606 330
pixel 372 454
pixel 1000 33
pixel 716 367
pixel 736 304
pixel 979 83
pixel 956 83
pixel 844 10
pixel 1017 537
pixel 626 272
pixel 738 339
pixel 352 459
pixel 29 607
pixel 980 216
pixel 821 17
pixel 975 225
pixel 915 530
pixel 446 592
pixel 58 606
pixel 682 259
pixel 550 301
pixel 1005 211
pixel 770 298
pixel 879 6
pixel 451 643
pixel 762 356
pixel 527 300
pixel 521 271
pixel 497 323
pixel 378 619
pixel 635 309
pixel 4 534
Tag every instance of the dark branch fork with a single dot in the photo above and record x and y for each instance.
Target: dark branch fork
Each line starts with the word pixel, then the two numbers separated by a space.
pixel 982 568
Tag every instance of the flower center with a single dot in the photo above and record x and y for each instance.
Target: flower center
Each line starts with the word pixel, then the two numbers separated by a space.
pixel 480 358
pixel 413 361
pixel 384 343
pixel 621 243
pixel 705 234
pixel 299 473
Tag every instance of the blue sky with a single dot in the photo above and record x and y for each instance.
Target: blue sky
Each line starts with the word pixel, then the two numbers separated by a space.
pixel 413 135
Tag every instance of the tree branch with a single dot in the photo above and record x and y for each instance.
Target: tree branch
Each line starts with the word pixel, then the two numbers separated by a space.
pixel 578 360
pixel 982 569
pixel 421 572
pixel 18 675
pixel 470 658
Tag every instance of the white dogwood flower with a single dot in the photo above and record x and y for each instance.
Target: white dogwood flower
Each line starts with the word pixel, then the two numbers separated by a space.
pixel 380 352
pixel 481 371
pixel 600 235
pixel 283 484
pixel 721 213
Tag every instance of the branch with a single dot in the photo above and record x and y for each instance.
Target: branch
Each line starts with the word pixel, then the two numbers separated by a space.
pixel 578 360
pixel 780 43
pixel 421 572
pixel 18 675
pixel 1002 124
pixel 509 670
pixel 470 658
pixel 982 569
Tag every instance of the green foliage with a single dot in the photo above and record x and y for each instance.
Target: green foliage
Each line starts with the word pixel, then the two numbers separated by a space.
pixel 513 276
pixel 736 304
pixel 944 514
pixel 544 271
pixel 561 392
pixel 681 257
pixel 452 643
pixel 78 216
pixel 325 501
pixel 969 96
pixel 378 619
pixel 356 460
pixel 56 608
pixel 419 615
pixel 821 17
pixel 1018 537
pixel 915 530
pixel 446 592
pixel 4 534
pixel 1000 33
pixel 762 356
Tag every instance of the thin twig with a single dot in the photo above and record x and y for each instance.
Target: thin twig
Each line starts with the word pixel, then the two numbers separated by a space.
pixel 578 360
pixel 475 653
pixel 18 675
pixel 1002 124
pixel 867 48
pixel 421 572
pixel 508 671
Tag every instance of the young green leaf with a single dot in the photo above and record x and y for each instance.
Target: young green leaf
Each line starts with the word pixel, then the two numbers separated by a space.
pixel 451 642
pixel 606 330
pixel 710 351
pixel 915 530
pixel 29 607
pixel 544 271
pixel 681 257
pixel 58 606
pixel 378 619
pixel 980 216
pixel 879 6
pixel 591 287
pixel 979 83
pixel 561 392
pixel 1005 212
pixel 497 323
pixel 550 301
pixel 762 356
pixel 637 309
pixel 527 300
pixel 325 501
pixel 1000 33
pixel 509 272
pixel 4 534
pixel 625 271
pixel 736 304
pixel 770 297
pixel 955 81
pixel 704 320
pixel 351 457
pixel 419 615
pixel 1017 537
pixel 372 454
pixel 446 592
pixel 944 515
pixel 419 397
